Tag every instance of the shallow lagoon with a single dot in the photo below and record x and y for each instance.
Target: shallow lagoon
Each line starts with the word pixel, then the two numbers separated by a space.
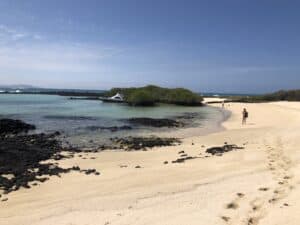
pixel 74 117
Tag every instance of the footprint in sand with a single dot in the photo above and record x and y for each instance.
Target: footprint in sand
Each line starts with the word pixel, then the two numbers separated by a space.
pixel 232 205
pixel 278 191
pixel 252 221
pixel 240 195
pixel 225 218
pixel 278 164
pixel 257 211
pixel 263 189
pixel 255 207
pixel 273 200
pixel 256 204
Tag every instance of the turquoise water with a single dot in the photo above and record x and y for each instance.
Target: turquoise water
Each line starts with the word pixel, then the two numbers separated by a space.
pixel 73 117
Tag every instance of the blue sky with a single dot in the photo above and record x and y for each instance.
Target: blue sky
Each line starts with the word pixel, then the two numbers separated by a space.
pixel 210 46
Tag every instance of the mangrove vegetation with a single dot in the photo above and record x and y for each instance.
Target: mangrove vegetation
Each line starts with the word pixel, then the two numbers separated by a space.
pixel 150 95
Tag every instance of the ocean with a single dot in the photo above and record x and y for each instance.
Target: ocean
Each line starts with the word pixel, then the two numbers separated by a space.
pixel 81 121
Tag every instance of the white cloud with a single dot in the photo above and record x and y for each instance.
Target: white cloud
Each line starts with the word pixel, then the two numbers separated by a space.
pixel 4 28
pixel 18 36
pixel 28 57
pixel 23 50
pixel 46 57
pixel 37 37
pixel 8 34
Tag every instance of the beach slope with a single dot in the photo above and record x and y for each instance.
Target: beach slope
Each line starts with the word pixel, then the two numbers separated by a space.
pixel 258 184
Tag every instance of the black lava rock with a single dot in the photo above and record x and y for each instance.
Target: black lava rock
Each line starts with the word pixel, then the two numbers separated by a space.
pixel 9 126
pixel 182 160
pixel 150 122
pixel 23 156
pixel 222 149
pixel 111 129
pixel 141 143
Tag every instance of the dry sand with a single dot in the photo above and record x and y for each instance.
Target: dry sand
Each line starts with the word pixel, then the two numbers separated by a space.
pixel 213 99
pixel 257 185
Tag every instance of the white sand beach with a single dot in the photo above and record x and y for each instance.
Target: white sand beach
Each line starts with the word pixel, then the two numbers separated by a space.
pixel 255 185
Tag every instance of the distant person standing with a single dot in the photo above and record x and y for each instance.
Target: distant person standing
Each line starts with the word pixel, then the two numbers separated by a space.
pixel 223 104
pixel 245 116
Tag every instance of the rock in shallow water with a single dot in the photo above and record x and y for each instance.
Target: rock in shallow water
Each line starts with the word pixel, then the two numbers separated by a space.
pixel 151 122
pixel 9 126
pixel 112 129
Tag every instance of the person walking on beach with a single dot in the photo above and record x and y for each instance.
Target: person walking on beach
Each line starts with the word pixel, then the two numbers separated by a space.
pixel 245 116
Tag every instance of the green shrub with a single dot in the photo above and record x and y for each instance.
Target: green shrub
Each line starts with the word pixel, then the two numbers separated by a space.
pixel 149 95
pixel 140 98
pixel 291 95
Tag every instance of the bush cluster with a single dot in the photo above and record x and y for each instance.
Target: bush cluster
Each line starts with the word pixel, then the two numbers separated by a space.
pixel 150 95
pixel 291 95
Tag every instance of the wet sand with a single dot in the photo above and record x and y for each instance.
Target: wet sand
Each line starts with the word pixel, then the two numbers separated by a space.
pixel 255 185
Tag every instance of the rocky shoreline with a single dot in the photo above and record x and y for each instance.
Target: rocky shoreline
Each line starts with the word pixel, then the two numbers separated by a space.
pixel 23 157
pixel 180 121
pixel 9 126
pixel 27 160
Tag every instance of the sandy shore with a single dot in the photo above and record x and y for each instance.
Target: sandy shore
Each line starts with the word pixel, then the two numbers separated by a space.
pixel 257 185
